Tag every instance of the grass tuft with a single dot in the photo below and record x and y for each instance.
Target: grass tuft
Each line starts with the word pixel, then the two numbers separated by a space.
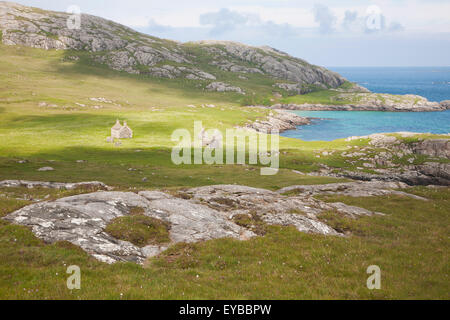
pixel 139 230
pixel 252 222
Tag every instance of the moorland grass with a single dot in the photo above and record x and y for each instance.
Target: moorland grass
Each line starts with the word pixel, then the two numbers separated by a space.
pixel 409 244
pixel 61 132
pixel 139 229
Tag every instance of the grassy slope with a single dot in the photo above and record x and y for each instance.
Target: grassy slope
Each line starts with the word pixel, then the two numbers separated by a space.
pixel 154 109
pixel 283 264
pixel 410 245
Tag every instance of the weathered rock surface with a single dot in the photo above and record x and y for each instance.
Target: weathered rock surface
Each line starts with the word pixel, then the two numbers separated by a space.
pixel 293 88
pixel 445 104
pixel 199 214
pixel 273 62
pixel 44 169
pixel 279 120
pixel 439 148
pixel 434 171
pixel 82 219
pixel 300 210
pixel 53 185
pixel 353 189
pixel 223 87
pixel 191 222
pixel 124 49
pixel 362 101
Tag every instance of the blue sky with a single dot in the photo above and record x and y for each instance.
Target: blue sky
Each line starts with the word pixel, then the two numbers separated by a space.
pixel 324 32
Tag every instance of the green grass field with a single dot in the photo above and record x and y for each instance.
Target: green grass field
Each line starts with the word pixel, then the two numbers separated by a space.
pixel 63 132
pixel 410 244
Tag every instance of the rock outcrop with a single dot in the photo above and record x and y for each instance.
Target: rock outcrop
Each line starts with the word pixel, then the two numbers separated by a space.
pixel 390 158
pixel 53 185
pixel 353 189
pixel 82 219
pixel 223 87
pixel 371 102
pixel 124 49
pixel 196 214
pixel 273 62
pixel 278 120
pixel 445 104
pixel 439 148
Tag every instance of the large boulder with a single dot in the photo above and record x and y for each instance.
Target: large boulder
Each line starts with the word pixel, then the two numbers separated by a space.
pixel 82 220
pixel 197 214
pixel 439 148
pixel 445 104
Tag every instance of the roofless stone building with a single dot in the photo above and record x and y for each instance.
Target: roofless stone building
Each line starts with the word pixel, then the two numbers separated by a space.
pixel 121 132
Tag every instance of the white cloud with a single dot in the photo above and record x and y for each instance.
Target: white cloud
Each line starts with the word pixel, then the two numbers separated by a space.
pixel 414 29
pixel 325 18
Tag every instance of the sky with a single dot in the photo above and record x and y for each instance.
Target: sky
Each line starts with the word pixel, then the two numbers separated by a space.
pixel 323 32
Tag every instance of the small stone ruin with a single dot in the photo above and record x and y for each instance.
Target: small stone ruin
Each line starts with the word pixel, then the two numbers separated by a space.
pixel 120 132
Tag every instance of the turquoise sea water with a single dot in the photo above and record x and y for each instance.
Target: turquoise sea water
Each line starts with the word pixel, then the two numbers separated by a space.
pixel 334 125
pixel 430 82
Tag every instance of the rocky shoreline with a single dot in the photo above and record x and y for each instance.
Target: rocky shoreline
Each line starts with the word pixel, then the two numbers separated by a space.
pixel 412 104
pixel 277 120
pixel 434 171
pixel 381 160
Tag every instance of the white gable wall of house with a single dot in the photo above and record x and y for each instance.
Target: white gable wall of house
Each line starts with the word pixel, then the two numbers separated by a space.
pixel 121 132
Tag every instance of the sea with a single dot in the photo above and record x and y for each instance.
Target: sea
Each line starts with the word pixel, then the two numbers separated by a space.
pixel 432 83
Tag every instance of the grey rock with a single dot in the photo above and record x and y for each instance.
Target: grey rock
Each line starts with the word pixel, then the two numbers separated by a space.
pixel 275 63
pixel 52 185
pixel 353 211
pixel 373 102
pixel 271 207
pixel 232 67
pixel 124 49
pixel 207 213
pixel 293 88
pixel 82 219
pixel 191 222
pixel 223 87
pixel 355 189
pixel 43 169
pixel 279 120
pixel 439 148
pixel 438 173
pixel 434 172
pixel 301 223
pixel 445 104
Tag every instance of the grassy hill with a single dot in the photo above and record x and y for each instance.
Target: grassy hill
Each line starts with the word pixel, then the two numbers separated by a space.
pixel 51 115
pixel 282 264
pixel 255 73
pixel 42 120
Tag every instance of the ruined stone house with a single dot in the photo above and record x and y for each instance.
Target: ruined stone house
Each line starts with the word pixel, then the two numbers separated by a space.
pixel 121 132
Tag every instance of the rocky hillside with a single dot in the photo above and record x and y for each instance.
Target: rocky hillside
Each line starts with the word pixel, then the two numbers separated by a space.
pixel 214 63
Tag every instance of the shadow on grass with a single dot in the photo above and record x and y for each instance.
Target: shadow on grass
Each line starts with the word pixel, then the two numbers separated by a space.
pixel 148 167
pixel 83 123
